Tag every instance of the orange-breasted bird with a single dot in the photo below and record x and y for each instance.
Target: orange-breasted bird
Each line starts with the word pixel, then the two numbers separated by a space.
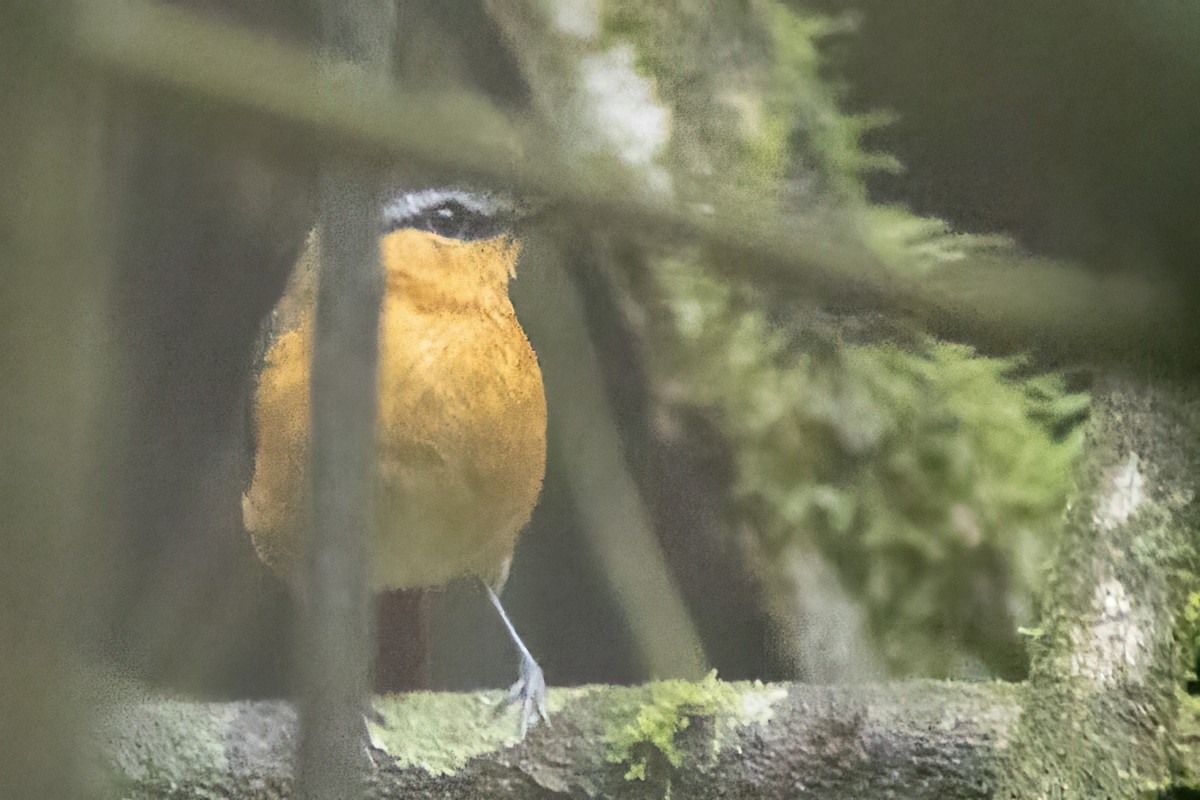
pixel 460 442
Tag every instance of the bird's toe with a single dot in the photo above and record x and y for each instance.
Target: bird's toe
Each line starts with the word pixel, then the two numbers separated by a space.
pixel 530 692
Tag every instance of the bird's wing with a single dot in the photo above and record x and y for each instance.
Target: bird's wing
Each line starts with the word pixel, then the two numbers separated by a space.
pixel 297 303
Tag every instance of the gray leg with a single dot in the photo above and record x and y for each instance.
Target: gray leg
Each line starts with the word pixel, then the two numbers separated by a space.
pixel 530 687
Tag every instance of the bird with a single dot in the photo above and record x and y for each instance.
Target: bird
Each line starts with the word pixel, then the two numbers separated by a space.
pixel 460 433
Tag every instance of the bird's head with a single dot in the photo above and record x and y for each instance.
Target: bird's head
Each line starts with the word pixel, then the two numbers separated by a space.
pixel 450 249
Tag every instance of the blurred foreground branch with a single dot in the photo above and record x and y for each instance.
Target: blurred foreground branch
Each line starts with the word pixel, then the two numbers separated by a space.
pixel 54 357
pixel 333 661
pixel 1003 306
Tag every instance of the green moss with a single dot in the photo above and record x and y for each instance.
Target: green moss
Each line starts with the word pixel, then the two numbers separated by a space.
pixel 441 732
pixel 671 708
pixel 924 475
pixel 644 731
pixel 802 109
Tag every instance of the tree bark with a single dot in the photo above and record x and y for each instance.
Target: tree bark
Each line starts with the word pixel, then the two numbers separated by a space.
pixel 1113 650
pixel 915 740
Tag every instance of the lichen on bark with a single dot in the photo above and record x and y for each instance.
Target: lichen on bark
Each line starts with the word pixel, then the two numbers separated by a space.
pixel 1102 699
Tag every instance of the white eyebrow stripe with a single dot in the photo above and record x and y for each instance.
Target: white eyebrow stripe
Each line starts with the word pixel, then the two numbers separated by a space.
pixel 409 205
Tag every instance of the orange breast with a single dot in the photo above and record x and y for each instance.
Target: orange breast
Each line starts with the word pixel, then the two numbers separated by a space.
pixel 461 426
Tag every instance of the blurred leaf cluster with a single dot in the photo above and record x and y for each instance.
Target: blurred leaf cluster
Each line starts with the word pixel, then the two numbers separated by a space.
pixel 749 107
pixel 931 477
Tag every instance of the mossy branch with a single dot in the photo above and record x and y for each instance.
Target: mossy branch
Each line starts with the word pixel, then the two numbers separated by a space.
pixel 919 740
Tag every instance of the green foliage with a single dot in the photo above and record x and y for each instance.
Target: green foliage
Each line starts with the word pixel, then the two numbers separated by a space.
pixel 1189 631
pixel 651 735
pixel 742 81
pixel 1191 612
pixel 802 109
pixel 916 245
pixel 1188 735
pixel 934 479
pixel 921 474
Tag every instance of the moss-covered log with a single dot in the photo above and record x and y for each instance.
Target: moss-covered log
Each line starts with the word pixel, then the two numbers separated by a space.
pixel 695 740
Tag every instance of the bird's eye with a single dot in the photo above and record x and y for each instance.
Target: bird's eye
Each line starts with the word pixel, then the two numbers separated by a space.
pixel 451 219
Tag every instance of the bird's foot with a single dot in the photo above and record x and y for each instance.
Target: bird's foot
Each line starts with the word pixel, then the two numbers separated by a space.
pixel 530 688
pixel 369 767
pixel 530 692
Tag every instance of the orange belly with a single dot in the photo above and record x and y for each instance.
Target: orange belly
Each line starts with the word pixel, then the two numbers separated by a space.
pixel 460 442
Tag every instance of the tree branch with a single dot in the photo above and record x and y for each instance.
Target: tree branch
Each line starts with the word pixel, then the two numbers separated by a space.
pixel 1112 654
pixel 918 740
